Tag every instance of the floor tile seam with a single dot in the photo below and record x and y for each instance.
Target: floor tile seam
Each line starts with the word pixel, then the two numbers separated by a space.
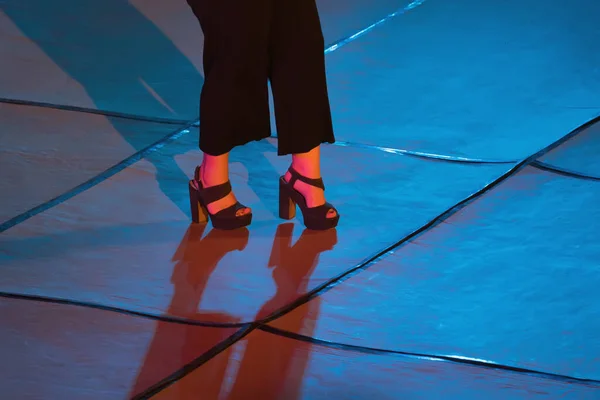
pixel 443 158
pixel 193 365
pixel 97 179
pixel 474 362
pixel 171 319
pixel 351 38
pixel 553 169
pixel 87 110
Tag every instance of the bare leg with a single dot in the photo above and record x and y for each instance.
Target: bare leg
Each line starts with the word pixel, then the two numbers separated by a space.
pixel 215 171
pixel 309 165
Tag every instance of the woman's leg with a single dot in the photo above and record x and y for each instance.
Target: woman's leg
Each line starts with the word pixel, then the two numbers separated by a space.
pixel 309 165
pixel 234 108
pixel 300 91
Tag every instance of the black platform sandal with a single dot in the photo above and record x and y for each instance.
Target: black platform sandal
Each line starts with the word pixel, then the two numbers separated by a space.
pixel 201 197
pixel 315 218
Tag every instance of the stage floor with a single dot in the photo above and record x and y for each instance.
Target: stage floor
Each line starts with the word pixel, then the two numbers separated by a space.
pixel 467 172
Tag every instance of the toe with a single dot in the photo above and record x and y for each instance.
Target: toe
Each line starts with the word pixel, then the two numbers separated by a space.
pixel 243 211
pixel 331 213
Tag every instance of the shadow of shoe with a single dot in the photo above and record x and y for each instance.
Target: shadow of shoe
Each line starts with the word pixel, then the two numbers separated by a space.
pixel 273 366
pixel 174 345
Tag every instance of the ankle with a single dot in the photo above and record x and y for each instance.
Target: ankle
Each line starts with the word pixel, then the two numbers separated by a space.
pixel 307 171
pixel 308 164
pixel 215 169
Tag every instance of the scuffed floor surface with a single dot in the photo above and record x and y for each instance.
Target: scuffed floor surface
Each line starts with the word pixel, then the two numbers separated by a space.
pixel 466 264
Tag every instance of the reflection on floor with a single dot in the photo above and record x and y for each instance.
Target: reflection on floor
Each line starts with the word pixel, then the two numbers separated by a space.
pixel 465 265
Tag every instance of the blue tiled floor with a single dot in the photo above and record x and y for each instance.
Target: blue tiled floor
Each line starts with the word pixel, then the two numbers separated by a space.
pixel 465 264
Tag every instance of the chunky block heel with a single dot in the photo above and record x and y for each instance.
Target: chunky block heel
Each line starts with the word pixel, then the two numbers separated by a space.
pixel 315 218
pixel 199 213
pixel 201 197
pixel 287 206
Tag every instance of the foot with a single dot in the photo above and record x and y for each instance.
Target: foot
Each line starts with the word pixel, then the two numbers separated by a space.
pixel 314 196
pixel 212 177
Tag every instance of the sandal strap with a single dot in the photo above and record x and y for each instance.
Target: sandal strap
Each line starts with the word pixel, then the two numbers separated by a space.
pixel 296 176
pixel 213 193
pixel 231 211
pixel 321 211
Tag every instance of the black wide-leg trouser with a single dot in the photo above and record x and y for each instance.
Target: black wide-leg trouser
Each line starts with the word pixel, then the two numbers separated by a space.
pixel 246 44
